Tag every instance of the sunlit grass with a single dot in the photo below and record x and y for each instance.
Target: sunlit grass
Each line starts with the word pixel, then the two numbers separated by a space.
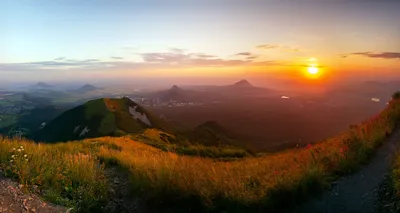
pixel 63 174
pixel 252 182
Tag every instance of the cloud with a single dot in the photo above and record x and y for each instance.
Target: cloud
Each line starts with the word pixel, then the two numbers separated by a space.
pixel 244 54
pixel 57 63
pixel 176 58
pixel 252 57
pixel 267 46
pixel 247 55
pixel 65 62
pixel 383 55
pixel 116 57
pixel 277 46
pixel 202 55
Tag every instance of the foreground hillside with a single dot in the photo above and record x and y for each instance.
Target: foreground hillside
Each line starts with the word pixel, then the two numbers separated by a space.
pixel 100 117
pixel 75 173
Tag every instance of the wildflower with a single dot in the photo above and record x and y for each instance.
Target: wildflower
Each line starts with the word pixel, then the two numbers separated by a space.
pixel 13 149
pixel 12 156
pixel 25 155
pixel 26 159
pixel 18 150
pixel 21 147
pixel 11 161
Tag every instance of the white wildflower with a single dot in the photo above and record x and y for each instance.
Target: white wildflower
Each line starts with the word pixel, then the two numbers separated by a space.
pixel 18 150
pixel 12 156
pixel 11 161
pixel 25 155
pixel 26 159
pixel 21 147
pixel 13 149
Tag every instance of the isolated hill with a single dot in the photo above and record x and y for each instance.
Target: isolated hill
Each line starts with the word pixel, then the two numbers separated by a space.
pixel 243 83
pixel 86 88
pixel 100 117
pixel 244 87
pixel 43 84
pixel 174 93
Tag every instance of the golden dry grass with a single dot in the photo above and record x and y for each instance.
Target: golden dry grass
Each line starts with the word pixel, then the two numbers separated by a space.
pixel 254 181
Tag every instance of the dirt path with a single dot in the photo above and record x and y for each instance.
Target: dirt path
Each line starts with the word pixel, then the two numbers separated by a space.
pixel 122 201
pixel 357 192
pixel 13 200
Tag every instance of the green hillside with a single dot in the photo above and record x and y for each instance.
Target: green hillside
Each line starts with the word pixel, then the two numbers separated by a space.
pixel 212 133
pixel 100 117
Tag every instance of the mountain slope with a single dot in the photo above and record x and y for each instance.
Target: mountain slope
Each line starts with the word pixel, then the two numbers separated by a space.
pixel 212 134
pixel 100 117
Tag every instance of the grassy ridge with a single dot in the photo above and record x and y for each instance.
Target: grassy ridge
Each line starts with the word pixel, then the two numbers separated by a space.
pixel 252 183
pixel 180 183
pixel 66 174
pixel 177 144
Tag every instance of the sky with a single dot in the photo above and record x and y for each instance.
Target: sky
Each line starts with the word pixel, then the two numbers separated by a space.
pixel 219 39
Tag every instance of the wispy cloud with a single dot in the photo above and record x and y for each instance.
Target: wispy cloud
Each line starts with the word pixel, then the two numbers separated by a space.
pixel 267 46
pixel 277 46
pixel 247 55
pixel 252 57
pixel 57 63
pixel 383 55
pixel 173 58
pixel 116 57
pixel 202 55
pixel 244 54
pixel 200 59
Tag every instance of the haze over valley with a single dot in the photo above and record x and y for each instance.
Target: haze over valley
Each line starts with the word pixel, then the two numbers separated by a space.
pixel 293 118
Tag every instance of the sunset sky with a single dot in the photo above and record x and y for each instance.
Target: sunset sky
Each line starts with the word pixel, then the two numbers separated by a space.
pixel 219 38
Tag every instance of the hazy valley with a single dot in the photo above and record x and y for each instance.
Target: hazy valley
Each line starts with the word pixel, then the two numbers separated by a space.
pixel 293 119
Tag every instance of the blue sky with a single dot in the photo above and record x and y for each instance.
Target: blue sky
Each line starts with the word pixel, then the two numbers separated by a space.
pixel 117 36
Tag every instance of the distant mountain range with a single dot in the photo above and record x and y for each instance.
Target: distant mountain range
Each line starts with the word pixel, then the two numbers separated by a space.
pixel 209 93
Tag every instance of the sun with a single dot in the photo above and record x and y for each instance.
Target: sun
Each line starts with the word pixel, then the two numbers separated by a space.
pixel 312 70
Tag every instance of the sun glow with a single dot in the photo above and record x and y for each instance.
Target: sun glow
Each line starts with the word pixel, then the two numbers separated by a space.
pixel 312 70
